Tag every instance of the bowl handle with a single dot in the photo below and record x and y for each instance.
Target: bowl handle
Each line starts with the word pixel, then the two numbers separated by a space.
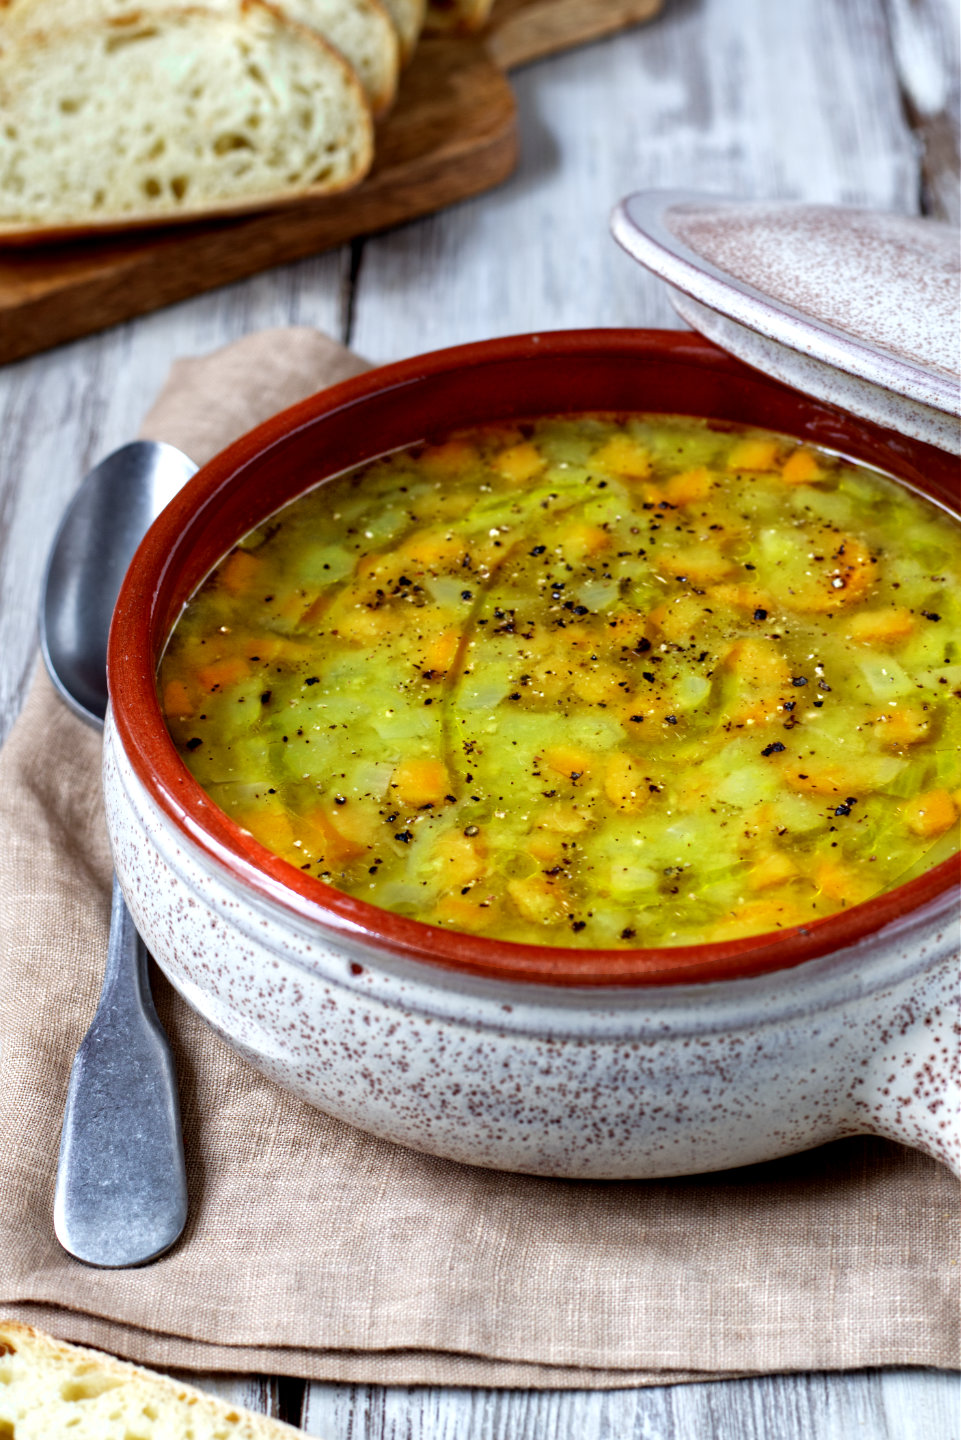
pixel 909 1086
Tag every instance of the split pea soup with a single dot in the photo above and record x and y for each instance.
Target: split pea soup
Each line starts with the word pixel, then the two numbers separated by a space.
pixel 607 680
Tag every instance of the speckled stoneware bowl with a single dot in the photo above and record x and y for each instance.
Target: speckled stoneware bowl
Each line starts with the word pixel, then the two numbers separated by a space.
pixel 552 1061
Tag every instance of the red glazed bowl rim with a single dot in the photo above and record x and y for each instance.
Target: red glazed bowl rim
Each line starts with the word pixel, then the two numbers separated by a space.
pixel 182 545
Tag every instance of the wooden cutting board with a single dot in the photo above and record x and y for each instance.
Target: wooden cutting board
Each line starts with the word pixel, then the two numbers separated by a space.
pixel 451 135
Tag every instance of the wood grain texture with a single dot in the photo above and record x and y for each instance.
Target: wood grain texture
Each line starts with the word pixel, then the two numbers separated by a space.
pixel 278 1397
pixel 62 411
pixel 926 41
pixel 525 30
pixel 891 1405
pixel 798 101
pixel 451 135
pixel 810 100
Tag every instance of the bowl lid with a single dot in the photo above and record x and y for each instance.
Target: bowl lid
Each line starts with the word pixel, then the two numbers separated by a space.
pixel 856 307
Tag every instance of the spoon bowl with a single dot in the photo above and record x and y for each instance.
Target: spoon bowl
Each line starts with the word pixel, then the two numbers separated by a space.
pixel 101 528
pixel 121 1195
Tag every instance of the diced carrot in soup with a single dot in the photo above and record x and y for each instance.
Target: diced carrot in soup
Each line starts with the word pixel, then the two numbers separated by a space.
pixel 462 912
pixel 448 459
pixel 625 456
pixel 221 674
pixel 594 680
pixel 519 462
pixel 930 814
pixel 801 468
pixel 239 571
pixel 689 487
pixel 881 627
pixel 753 454
pixel 177 699
pixel 421 781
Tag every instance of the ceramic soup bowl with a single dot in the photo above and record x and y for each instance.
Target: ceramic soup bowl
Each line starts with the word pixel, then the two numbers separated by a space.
pixel 552 1061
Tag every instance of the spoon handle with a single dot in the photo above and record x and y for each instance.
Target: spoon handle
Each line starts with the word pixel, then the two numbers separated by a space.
pixel 121 1196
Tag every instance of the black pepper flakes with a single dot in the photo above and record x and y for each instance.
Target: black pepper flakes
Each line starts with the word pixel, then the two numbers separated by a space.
pixel 774 748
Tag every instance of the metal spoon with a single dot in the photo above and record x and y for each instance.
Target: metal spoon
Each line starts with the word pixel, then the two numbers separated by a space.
pixel 121 1195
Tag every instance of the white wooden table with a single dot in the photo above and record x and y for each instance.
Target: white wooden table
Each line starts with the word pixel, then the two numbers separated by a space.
pixel 854 101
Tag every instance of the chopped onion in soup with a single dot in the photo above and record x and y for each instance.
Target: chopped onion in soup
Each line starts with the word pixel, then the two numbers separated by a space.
pixel 599 681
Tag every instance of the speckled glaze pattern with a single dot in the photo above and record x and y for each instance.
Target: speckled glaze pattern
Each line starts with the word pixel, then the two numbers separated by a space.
pixel 817 377
pixel 858 308
pixel 620 1083
pixel 554 1060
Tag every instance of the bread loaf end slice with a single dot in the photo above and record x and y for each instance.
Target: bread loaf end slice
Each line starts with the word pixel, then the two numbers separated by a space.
pixel 364 33
pixel 408 17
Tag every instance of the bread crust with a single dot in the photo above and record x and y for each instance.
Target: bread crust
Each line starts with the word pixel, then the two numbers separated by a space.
pixel 50 1382
pixel 362 30
pixel 341 142
pixel 408 16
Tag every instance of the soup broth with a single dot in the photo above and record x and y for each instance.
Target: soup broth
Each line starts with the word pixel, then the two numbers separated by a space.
pixel 602 681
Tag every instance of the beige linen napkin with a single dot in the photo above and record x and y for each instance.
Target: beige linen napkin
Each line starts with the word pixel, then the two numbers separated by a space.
pixel 316 1251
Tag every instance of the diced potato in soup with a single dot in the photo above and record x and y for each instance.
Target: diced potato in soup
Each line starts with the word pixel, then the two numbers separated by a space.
pixel 608 681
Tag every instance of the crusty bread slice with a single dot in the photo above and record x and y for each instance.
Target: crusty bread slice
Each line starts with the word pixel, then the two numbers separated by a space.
pixel 178 113
pixel 364 33
pixel 408 17
pixel 463 17
pixel 362 30
pixel 51 1391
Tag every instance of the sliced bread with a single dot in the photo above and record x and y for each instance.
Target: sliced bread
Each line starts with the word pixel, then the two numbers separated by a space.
pixel 408 16
pixel 173 113
pixel 362 30
pixel 364 33
pixel 50 1390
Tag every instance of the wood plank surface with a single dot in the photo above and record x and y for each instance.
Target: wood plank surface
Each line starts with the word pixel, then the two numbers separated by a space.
pixel 799 101
pixel 854 103
pixel 451 135
pixel 525 30
pixel 871 1405
pixel 925 43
